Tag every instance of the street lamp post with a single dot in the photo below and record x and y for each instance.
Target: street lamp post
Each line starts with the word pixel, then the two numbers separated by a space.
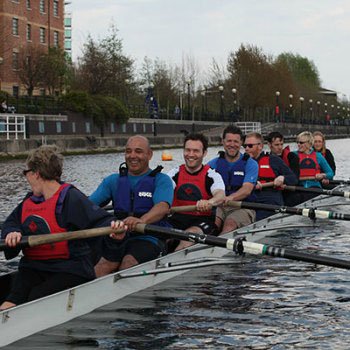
pixel 277 108
pixel 221 89
pixel 311 111
pixel 203 103
pixel 318 110
pixel 189 99
pixel 1 61
pixel 301 109
pixel 291 104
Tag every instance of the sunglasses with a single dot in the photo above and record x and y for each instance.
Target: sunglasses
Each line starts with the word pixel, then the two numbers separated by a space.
pixel 301 142
pixel 25 172
pixel 250 145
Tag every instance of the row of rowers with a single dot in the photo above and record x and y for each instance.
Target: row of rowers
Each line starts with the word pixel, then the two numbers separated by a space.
pixel 143 195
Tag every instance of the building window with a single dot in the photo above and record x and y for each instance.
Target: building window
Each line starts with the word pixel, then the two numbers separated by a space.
pixel 15 26
pixel 15 91
pixel 29 32
pixel 28 5
pixel 42 35
pixel 67 21
pixel 134 127
pixel 55 8
pixel 124 128
pixel 112 128
pixel 74 128
pixel 55 39
pixel 68 34
pixel 42 6
pixel 41 127
pixel 15 60
pixel 87 128
pixel 144 128
pixel 58 127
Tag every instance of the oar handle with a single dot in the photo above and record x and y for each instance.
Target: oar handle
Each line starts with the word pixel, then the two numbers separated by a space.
pixel 183 208
pixel 35 240
pixel 267 184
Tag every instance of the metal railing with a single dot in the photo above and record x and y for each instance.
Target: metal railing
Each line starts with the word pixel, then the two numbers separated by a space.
pixel 13 124
pixel 248 127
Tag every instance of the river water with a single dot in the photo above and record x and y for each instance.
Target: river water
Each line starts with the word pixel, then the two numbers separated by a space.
pixel 258 304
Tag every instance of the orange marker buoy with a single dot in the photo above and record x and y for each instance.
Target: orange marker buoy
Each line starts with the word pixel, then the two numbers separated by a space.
pixel 167 156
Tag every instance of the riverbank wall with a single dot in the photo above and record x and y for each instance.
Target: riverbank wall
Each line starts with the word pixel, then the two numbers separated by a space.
pixel 163 134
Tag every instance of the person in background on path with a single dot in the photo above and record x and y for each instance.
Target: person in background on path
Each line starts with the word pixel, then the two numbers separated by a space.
pixel 271 169
pixel 51 207
pixel 139 195
pixel 312 164
pixel 275 142
pixel 196 184
pixel 240 173
pixel 320 146
pixel 3 107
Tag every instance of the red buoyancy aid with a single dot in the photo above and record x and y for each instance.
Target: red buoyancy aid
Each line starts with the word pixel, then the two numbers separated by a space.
pixel 285 153
pixel 40 218
pixel 266 173
pixel 308 163
pixel 190 189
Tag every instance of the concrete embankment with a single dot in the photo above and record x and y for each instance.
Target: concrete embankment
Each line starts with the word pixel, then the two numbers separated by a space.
pixel 93 144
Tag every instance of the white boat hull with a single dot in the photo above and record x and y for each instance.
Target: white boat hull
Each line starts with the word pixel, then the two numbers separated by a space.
pixel 35 316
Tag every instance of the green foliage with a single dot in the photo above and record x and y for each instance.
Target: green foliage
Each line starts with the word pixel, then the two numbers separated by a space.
pixel 100 108
pixel 303 70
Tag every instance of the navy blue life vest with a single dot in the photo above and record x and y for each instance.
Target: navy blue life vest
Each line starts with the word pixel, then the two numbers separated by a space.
pixel 138 201
pixel 233 176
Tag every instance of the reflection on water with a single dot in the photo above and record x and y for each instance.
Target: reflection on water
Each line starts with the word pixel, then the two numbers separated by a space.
pixel 258 304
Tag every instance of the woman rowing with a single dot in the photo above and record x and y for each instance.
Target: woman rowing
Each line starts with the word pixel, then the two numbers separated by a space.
pixel 320 146
pixel 51 207
pixel 312 165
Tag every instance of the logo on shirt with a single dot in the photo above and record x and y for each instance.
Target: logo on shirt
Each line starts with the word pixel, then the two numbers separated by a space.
pixel 145 194
pixel 264 166
pixel 239 173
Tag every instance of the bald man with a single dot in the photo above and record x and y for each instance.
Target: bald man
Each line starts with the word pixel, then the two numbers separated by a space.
pixel 139 195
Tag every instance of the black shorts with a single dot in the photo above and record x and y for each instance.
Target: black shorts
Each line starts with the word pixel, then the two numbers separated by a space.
pixel 205 223
pixel 141 248
pixel 30 284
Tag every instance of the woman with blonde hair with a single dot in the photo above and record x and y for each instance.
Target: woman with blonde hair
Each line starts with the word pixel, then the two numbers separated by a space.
pixel 320 146
pixel 312 165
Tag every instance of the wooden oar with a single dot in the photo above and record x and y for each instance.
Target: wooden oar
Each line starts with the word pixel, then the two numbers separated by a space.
pixel 308 212
pixel 345 194
pixel 35 240
pixel 332 182
pixel 240 246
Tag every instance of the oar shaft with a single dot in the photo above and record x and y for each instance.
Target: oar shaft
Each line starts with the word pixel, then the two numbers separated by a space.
pixel 308 212
pixel 318 190
pixel 239 245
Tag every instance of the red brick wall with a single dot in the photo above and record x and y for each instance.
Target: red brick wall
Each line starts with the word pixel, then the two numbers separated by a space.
pixel 9 42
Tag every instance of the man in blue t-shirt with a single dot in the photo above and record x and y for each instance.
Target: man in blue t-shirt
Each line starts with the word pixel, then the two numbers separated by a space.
pixel 139 195
pixel 239 173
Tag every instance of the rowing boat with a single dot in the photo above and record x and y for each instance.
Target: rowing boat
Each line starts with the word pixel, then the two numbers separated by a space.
pixel 33 317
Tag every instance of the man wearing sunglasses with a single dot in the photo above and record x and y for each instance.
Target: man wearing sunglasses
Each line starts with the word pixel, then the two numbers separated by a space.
pixel 271 169
pixel 239 173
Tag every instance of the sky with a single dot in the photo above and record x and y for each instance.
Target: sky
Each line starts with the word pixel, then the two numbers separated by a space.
pixel 207 29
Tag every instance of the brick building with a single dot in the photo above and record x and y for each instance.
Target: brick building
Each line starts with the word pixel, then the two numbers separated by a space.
pixel 26 24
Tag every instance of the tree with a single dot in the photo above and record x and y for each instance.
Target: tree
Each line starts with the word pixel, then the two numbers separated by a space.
pixel 303 71
pixel 54 68
pixel 30 63
pixel 103 68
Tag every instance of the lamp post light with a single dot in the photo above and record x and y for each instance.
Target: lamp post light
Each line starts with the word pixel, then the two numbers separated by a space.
pixel 221 90
pixel 301 99
pixel 290 104
pixel 311 111
pixel 188 82
pixel 235 110
pixel 277 108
